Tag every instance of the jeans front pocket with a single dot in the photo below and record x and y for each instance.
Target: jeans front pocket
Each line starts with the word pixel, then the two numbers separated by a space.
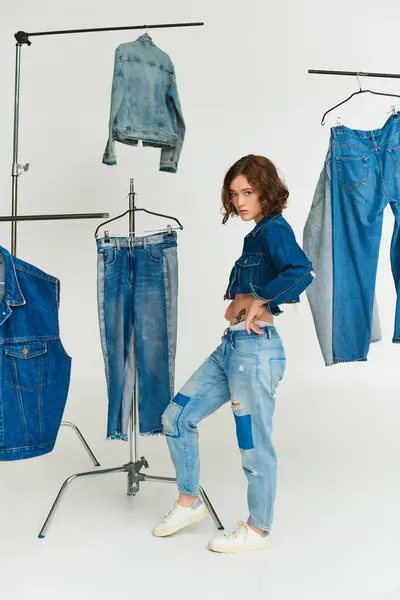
pixel 155 252
pixel 109 255
pixel 352 172
pixel 27 364
pixel 245 346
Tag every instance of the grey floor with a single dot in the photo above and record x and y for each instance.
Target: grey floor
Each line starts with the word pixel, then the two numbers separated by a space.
pixel 336 528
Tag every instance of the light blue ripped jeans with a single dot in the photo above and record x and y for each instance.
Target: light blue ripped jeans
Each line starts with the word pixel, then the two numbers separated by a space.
pixel 246 370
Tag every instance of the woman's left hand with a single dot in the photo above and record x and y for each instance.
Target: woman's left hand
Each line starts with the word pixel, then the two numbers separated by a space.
pixel 255 311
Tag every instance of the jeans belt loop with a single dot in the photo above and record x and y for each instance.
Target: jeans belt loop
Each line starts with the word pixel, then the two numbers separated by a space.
pixel 145 242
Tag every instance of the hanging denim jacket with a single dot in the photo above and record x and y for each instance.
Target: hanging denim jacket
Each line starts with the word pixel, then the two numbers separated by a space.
pixel 272 267
pixel 145 103
pixel 34 368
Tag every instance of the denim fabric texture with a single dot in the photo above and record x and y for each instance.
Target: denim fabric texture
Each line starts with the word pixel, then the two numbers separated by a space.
pixel 137 301
pixel 34 367
pixel 272 266
pixel 145 103
pixel 245 369
pixel 361 175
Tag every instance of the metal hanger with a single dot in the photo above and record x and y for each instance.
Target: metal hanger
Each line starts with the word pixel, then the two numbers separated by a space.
pixel 146 32
pixel 361 91
pixel 169 229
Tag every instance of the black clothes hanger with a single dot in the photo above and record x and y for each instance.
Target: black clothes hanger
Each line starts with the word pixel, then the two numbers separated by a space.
pixel 169 228
pixel 360 91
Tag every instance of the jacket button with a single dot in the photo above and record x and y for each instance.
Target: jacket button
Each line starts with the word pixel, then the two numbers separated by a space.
pixel 25 350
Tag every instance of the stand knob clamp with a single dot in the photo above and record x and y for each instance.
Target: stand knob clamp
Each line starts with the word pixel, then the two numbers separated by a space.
pixel 22 38
pixel 17 169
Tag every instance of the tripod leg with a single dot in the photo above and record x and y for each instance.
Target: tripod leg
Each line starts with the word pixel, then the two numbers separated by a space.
pixel 64 488
pixel 210 507
pixel 84 442
pixel 203 495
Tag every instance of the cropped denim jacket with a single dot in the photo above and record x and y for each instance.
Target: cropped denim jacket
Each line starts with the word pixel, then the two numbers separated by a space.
pixel 272 266
pixel 145 103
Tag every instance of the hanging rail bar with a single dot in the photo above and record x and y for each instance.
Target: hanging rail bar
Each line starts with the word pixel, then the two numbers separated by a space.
pixel 22 37
pixel 55 217
pixel 354 73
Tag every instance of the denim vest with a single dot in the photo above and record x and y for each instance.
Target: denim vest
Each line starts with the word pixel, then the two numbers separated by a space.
pixel 272 267
pixel 34 367
pixel 145 103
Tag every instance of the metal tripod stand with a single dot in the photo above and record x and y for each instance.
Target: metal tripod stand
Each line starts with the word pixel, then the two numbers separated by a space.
pixel 134 467
pixel 82 440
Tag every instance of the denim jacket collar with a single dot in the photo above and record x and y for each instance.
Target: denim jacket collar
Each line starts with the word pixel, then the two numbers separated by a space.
pixel 262 224
pixel 145 38
pixel 13 295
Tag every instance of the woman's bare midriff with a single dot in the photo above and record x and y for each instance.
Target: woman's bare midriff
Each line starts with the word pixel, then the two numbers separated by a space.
pixel 237 310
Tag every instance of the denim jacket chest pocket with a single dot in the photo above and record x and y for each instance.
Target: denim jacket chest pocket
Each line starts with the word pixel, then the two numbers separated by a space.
pixel 248 267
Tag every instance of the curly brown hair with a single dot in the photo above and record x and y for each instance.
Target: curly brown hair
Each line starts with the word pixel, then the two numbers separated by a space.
pixel 263 176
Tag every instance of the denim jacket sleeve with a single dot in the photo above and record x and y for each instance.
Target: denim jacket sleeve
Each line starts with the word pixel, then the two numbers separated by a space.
pixel 170 156
pixel 109 156
pixel 294 270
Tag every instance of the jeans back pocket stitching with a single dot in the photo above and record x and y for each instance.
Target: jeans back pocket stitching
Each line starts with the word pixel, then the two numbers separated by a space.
pixel 363 182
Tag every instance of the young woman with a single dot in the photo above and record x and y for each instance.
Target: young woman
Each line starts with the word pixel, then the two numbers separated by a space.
pixel 249 363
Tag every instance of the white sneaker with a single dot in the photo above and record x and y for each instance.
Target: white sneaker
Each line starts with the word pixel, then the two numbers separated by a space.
pixel 242 539
pixel 179 517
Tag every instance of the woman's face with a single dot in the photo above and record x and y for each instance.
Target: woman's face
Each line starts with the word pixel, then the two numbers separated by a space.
pixel 245 199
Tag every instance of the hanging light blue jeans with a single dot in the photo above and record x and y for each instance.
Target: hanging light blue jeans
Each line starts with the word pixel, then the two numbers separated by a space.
pixel 246 369
pixel 342 236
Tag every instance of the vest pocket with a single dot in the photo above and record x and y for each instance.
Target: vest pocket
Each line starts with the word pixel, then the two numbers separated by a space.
pixel 27 364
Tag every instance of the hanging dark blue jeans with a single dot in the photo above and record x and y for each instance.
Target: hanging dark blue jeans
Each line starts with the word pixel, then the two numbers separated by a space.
pixel 137 299
pixel 34 367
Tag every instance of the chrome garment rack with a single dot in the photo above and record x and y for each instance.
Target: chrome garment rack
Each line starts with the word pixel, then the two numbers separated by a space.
pixel 134 466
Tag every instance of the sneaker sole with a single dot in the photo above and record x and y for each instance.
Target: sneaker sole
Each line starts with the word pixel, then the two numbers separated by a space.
pixel 236 550
pixel 194 519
